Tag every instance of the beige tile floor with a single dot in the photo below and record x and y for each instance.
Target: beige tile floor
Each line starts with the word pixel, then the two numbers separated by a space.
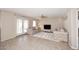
pixel 26 42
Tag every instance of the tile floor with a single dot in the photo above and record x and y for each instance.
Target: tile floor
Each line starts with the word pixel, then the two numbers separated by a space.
pixel 26 42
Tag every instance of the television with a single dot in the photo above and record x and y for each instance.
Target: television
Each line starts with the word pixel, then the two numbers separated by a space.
pixel 47 27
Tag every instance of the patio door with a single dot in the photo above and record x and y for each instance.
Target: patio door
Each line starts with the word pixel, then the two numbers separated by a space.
pixel 22 26
pixel 25 26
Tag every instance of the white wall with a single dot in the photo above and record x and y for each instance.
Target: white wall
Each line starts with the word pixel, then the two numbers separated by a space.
pixel 8 25
pixel 71 26
pixel 54 22
pixel 0 28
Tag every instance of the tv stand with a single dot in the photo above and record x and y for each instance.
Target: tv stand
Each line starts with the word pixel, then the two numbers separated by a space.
pixel 49 31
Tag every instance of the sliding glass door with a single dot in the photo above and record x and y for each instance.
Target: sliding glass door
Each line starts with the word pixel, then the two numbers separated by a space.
pixel 19 26
pixel 25 25
pixel 22 26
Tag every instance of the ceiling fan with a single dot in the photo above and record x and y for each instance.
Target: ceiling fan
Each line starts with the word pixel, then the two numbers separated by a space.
pixel 42 16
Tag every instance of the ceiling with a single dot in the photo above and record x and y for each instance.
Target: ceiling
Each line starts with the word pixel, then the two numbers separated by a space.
pixel 35 12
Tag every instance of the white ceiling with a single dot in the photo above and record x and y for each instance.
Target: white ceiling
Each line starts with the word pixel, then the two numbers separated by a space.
pixel 35 12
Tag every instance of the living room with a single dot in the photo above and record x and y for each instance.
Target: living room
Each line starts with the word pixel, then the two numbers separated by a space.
pixel 38 28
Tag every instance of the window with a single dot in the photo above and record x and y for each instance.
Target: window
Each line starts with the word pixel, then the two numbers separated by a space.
pixel 34 23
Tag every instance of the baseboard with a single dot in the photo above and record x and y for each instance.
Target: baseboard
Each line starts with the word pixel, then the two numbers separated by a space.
pixel 8 39
pixel 14 37
pixel 75 48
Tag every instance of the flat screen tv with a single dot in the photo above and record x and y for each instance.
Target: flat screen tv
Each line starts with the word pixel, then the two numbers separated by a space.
pixel 47 27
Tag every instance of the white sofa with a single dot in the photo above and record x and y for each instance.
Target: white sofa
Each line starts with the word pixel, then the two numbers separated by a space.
pixel 60 36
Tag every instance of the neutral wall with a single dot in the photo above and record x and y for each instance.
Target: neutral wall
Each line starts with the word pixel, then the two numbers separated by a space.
pixel 0 28
pixel 8 25
pixel 30 23
pixel 55 23
pixel 71 25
